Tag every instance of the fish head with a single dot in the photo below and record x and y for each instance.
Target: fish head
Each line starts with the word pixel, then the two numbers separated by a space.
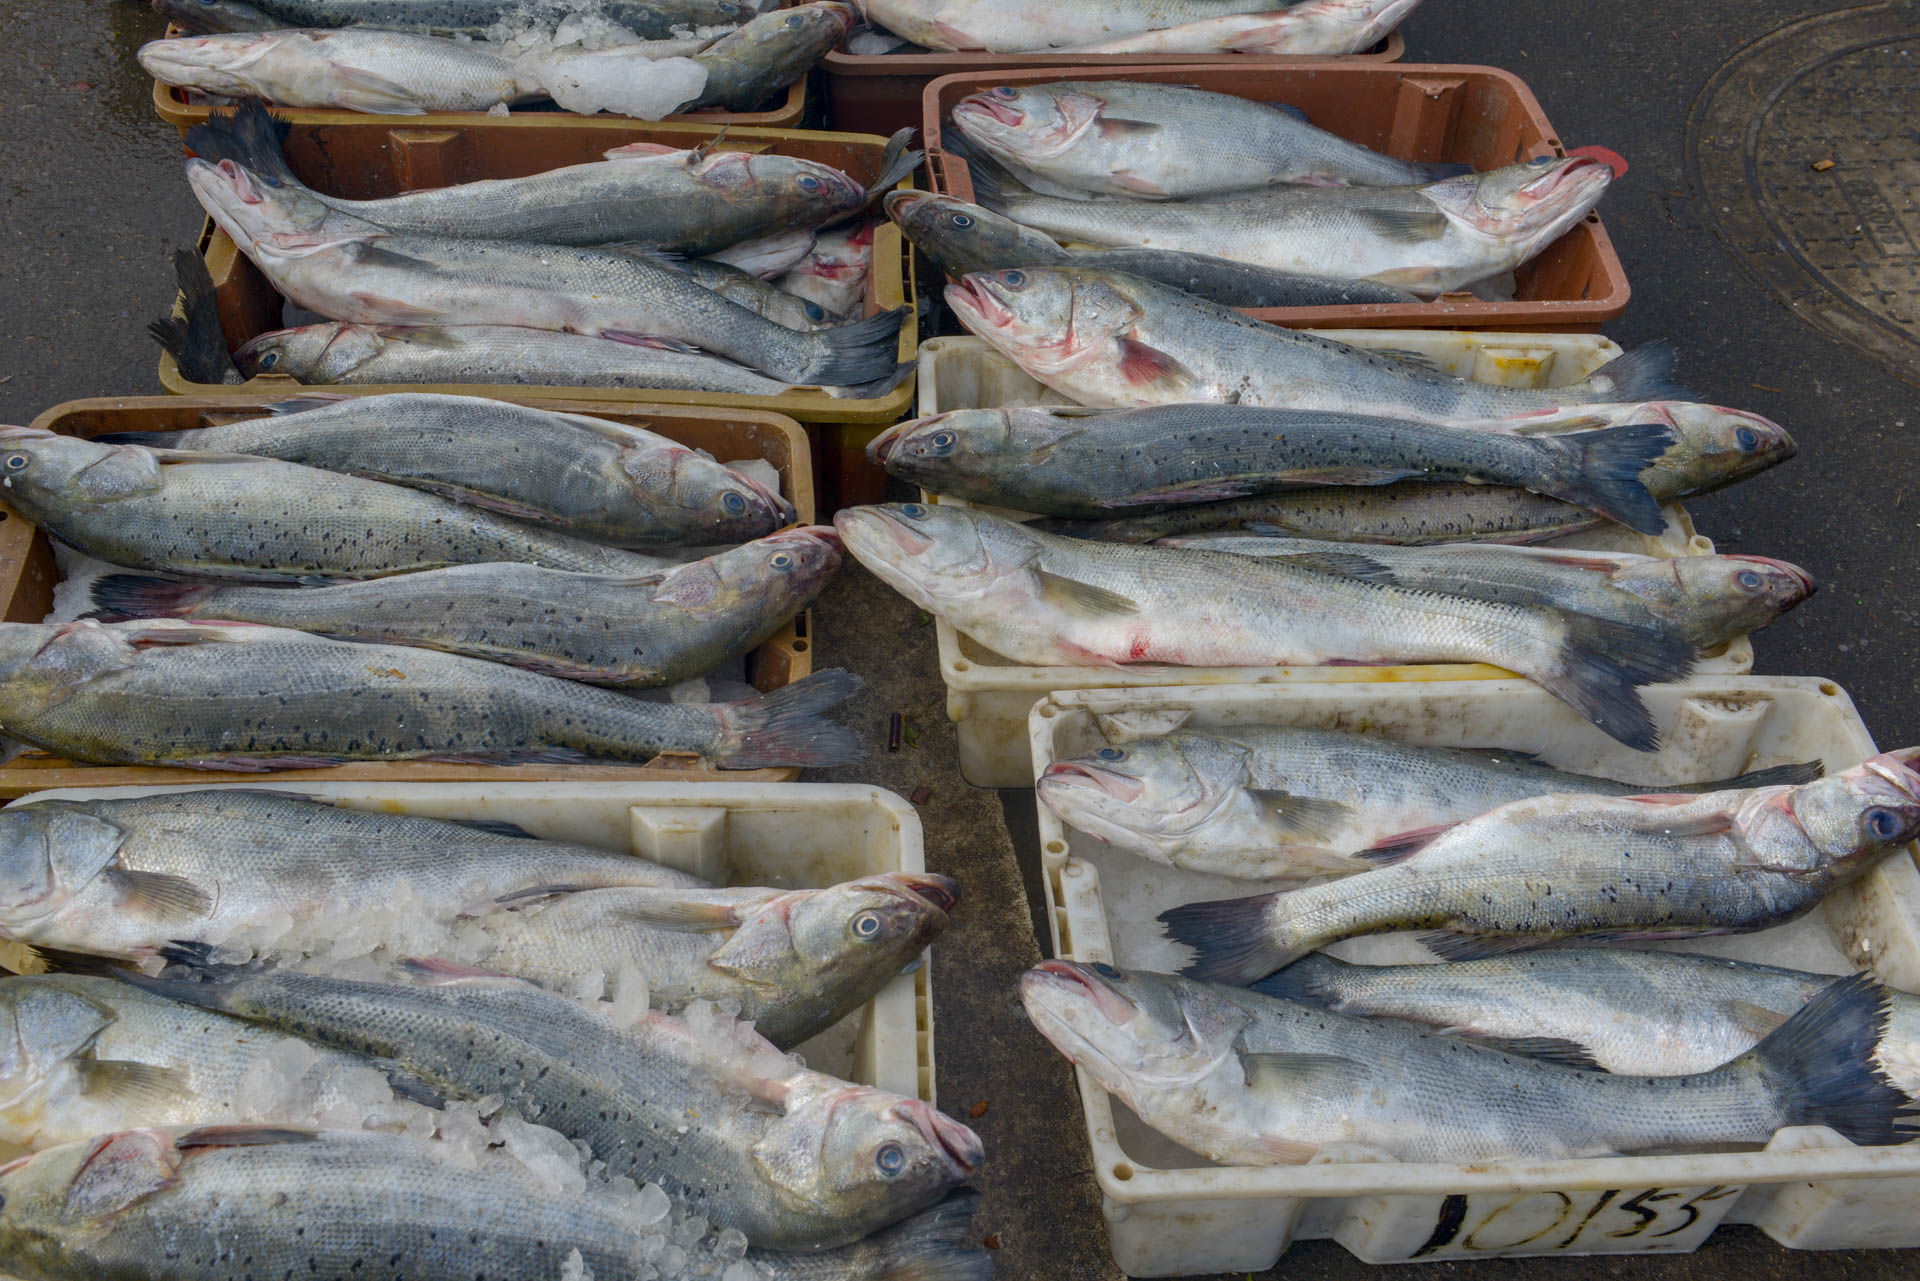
pixel 1717 446
pixel 1151 793
pixel 49 854
pixel 771 577
pixel 932 553
pixel 1525 204
pixel 1838 826
pixel 44 474
pixel 41 664
pixel 1047 319
pixel 215 64
pixel 964 238
pixel 1026 123
pixel 807 190
pixel 1711 599
pixel 55 1199
pixel 1133 1031
pixel 865 1157
pixel 320 353
pixel 42 1025
pixel 731 506
pixel 966 442
pixel 270 221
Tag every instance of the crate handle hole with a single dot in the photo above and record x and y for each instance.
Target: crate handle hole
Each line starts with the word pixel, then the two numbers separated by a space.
pixel 799 647
pixel 1045 711
pixel 962 665
pixel 1829 689
pixel 1123 1172
pixel 1056 847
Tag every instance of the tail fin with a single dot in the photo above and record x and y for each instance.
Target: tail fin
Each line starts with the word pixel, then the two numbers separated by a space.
pixel 1645 373
pixel 879 386
pixel 896 163
pixel 147 439
pixel 789 726
pixel 196 341
pixel 1310 981
pixel 1821 1061
pixel 1600 471
pixel 119 597
pixel 928 1247
pixel 1773 776
pixel 251 137
pixel 1442 171
pixel 1233 940
pixel 1600 668
pixel 994 186
pixel 863 351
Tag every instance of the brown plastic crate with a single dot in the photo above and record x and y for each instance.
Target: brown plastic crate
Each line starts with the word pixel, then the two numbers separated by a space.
pixel 1478 115
pixel 784 112
pixel 879 93
pixel 28 576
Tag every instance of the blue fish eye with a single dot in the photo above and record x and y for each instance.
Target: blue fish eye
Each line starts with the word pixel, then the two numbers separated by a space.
pixel 17 462
pixel 795 20
pixel 912 511
pixel 1104 970
pixel 733 502
pixel 815 311
pixel 1885 824
pixel 866 926
pixel 269 360
pixel 1005 91
pixel 809 183
pixel 1014 278
pixel 963 220
pixel 781 560
pixel 1111 754
pixel 890 1159
pixel 941 440
pixel 1747 579
pixel 1747 437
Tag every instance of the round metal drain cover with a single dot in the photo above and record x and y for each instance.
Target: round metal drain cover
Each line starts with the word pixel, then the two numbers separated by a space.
pixel 1806 146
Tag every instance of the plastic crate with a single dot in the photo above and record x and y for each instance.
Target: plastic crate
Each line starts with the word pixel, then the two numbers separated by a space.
pixel 1477 115
pixel 774 834
pixel 1170 1212
pixel 879 93
pixel 989 697
pixel 28 576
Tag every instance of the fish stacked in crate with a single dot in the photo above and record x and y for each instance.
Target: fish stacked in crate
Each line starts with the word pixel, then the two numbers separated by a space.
pixel 699 270
pixel 643 60
pixel 1191 27
pixel 317 1034
pixel 413 577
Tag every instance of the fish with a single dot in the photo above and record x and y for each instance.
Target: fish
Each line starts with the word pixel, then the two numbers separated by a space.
pixel 258 699
pixel 1041 599
pixel 363 274
pixel 597 479
pixel 1579 869
pixel 795 962
pixel 642 195
pixel 962 238
pixel 701 1105
pixel 993 26
pixel 629 632
pixel 762 297
pixel 87 1055
pixel 770 52
pixel 1611 1009
pixel 268 872
pixel 1113 341
pixel 259 519
pixel 650 19
pixel 1149 141
pixel 835 271
pixel 326 1202
pixel 1717 447
pixel 194 338
pixel 1705 600
pixel 770 256
pixel 1073 462
pixel 1245 1079
pixel 1311 27
pixel 1432 239
pixel 1267 802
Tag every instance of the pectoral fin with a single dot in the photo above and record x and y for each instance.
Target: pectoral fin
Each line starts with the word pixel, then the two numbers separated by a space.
pixel 1407 225
pixel 1145 366
pixel 163 899
pixel 1083 599
pixel 1552 1049
pixel 358 89
pixel 141 1086
pixel 1306 818
pixel 1294 1074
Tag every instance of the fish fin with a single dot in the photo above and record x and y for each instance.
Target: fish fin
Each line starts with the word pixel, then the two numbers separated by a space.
pixel 242 1136
pixel 1406 357
pixel 251 136
pixel 1083 600
pixel 303 403
pixel 1663 798
pixel 994 185
pixel 1175 494
pixel 1602 664
pixel 1643 374
pixel 258 764
pixel 57 960
pixel 959 41
pixel 397 312
pixel 1288 109
pixel 1139 186
pixel 1121 127
pixel 642 151
pixel 129 596
pixel 789 726
pixel 896 162
pixel 1449 945
pixel 1502 755
pixel 439 339
pixel 1757 1019
pixel 858 351
pixel 1145 366
pixel 1284 1151
pixel 1440 171
pixel 1822 1063
pixel 1231 938
pixel 547 755
pixel 472 498
pixel 195 339
pixel 1081 656
pixel 1350 475
pixel 1773 776
pixel 1600 471
pixel 1343 563
pixel 136 1085
pixel 494 827
pixel 631 339
pixel 144 439
pixel 1312 818
pixel 157 897
pixel 930 1245
pixel 427 971
pixel 1402 846
pixel 1551 1049
pixel 1406 225
pixel 689 911
pixel 358 89
pixel 406 1086
pixel 1714 824
pixel 181 457
pixel 1292 1072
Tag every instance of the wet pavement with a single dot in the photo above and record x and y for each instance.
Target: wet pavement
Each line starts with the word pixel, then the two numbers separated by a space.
pixel 94 203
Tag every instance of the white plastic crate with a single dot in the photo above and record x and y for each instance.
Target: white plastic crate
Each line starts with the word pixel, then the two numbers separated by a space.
pixel 1172 1213
pixel 774 834
pixel 988 697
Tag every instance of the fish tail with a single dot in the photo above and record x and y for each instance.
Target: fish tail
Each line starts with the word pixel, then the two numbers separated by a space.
pixel 994 185
pixel 928 1247
pixel 789 726
pixel 879 386
pixel 147 439
pixel 862 352
pixel 1442 171
pixel 1773 776
pixel 1309 982
pixel 1601 471
pixel 1821 1061
pixel 1233 940
pixel 250 136
pixel 1600 668
pixel 119 597
pixel 896 163
pixel 196 341
pixel 1645 373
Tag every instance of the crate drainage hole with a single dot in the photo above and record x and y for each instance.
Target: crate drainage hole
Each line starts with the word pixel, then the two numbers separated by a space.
pixel 1123 1172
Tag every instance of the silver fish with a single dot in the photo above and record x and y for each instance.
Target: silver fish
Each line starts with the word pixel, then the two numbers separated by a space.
pixel 1616 1009
pixel 762 297
pixel 197 696
pixel 599 479
pixel 997 26
pixel 769 53
pixel 1042 599
pixel 385 72
pixel 1311 27
pixel 634 632
pixel 1580 868
pixel 1266 802
pixel 1244 1079
pixel 652 19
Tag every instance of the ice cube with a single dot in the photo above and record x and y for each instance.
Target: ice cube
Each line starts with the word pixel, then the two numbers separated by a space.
pixel 575 1268
pixel 730 1245
pixel 629 997
pixel 550 1157
pixel 650 1206
pixel 619 81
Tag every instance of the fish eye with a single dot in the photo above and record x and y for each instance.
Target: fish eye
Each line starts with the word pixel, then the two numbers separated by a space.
pixel 963 220
pixel 1111 754
pixel 1104 970
pixel 1883 823
pixel 795 20
pixel 733 502
pixel 1014 278
pixel 1747 579
pixel 1541 162
pixel 866 926
pixel 18 462
pixel 814 311
pixel 269 360
pixel 1747 437
pixel 942 440
pixel 781 560
pixel 1005 91
pixel 912 511
pixel 809 183
pixel 890 1158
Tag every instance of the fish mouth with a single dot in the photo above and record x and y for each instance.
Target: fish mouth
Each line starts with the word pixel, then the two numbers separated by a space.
pixel 941 891
pixel 961 1146
pixel 1122 787
pixel 1804 581
pixel 776 504
pixel 1073 977
pixel 972 297
pixel 883 445
pixel 810 536
pixel 1895 769
pixel 845 14
pixel 18 1163
pixel 898 204
pixel 1571 181
pixel 984 104
pixel 910 540
pixel 1605 155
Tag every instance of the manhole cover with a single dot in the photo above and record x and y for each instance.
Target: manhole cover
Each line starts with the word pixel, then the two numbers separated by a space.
pixel 1806 146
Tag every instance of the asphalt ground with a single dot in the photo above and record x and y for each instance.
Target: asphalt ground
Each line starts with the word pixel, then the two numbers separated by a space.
pixel 94 203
